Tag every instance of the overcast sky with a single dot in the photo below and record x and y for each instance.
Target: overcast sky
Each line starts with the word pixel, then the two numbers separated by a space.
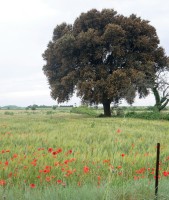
pixel 26 27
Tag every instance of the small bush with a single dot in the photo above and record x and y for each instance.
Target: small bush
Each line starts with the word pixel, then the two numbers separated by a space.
pixel 83 110
pixel 49 112
pixel 8 113
pixel 54 107
pixel 33 108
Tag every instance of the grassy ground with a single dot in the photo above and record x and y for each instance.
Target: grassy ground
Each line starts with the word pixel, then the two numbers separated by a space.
pixel 48 153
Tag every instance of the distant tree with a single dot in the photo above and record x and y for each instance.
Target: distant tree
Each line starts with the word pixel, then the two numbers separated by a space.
pixel 103 56
pixel 159 85
pixel 33 107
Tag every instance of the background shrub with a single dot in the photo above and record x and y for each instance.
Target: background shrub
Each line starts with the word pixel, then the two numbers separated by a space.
pixel 8 113
pixel 84 110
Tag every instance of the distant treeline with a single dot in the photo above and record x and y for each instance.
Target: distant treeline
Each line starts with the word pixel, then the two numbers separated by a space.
pixel 44 106
pixel 35 106
pixel 11 107
pixel 32 107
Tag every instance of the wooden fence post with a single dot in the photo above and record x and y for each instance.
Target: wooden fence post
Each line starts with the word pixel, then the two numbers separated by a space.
pixel 157 170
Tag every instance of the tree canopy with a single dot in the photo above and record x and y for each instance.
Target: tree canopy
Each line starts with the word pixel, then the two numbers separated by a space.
pixel 104 56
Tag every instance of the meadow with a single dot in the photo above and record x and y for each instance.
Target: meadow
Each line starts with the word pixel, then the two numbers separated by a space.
pixel 57 154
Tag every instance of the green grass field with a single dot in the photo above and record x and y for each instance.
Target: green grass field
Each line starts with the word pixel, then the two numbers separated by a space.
pixel 47 154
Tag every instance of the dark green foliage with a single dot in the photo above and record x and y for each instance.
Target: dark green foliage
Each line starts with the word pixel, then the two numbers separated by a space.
pixel 148 115
pixel 84 110
pixel 33 107
pixel 54 107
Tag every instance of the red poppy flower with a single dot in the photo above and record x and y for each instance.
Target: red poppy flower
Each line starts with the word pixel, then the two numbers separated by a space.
pixel 6 163
pixel 15 156
pixel 33 163
pixel 66 162
pixel 106 161
pixel 32 185
pixel 10 174
pixel 69 152
pixel 136 178
pixel 118 130
pixel 46 171
pixel 166 173
pixel 59 181
pixel 50 150
pixel 59 150
pixel 79 183
pixel 86 169
pixel 2 182
pixel 48 179
pixel 56 163
pixel 54 152
pixel 48 167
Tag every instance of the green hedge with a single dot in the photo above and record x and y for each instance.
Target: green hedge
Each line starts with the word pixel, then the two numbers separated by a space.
pixel 84 110
pixel 148 115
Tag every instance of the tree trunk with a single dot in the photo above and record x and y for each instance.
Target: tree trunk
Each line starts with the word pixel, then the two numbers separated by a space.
pixel 107 111
pixel 157 99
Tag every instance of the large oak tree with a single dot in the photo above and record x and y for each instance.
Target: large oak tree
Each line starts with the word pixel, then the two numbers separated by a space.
pixel 104 56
